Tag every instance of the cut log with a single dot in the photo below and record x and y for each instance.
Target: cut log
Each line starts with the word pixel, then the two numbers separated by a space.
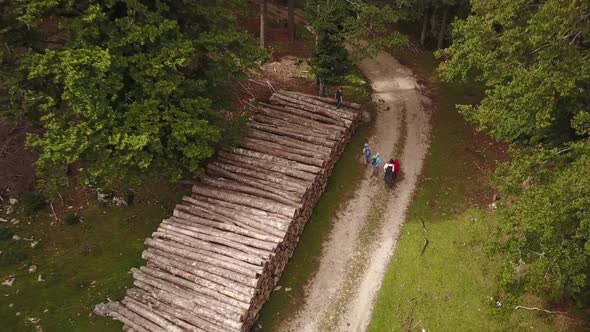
pixel 214 273
pixel 301 113
pixel 110 309
pixel 192 300
pixel 200 256
pixel 291 122
pixel 144 311
pixel 257 165
pixel 326 100
pixel 288 183
pixel 215 235
pixel 169 312
pixel 294 125
pixel 231 288
pixel 277 228
pixel 177 300
pixel 288 141
pixel 228 227
pixel 265 218
pixel 247 200
pixel 277 160
pixel 224 303
pixel 180 235
pixel 311 105
pixel 235 186
pixel 282 153
pixel 271 146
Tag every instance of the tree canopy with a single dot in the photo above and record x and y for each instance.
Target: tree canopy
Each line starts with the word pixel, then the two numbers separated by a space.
pixel 533 58
pixel 364 25
pixel 124 89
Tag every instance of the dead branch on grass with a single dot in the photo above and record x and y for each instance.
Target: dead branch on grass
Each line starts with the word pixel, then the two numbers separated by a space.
pixel 562 313
pixel 426 242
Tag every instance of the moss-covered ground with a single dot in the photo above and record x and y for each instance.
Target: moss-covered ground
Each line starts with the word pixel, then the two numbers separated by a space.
pixel 81 264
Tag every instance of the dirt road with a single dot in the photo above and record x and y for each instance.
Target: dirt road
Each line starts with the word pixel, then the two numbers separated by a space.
pixel 341 295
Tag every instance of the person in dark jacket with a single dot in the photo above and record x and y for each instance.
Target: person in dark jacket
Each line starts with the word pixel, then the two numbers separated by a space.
pixel 339 95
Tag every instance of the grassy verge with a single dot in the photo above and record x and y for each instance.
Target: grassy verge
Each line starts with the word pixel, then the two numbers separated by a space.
pixel 81 264
pixel 453 286
pixel 305 260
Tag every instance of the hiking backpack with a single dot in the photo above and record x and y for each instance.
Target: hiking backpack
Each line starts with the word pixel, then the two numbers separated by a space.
pixel 396 164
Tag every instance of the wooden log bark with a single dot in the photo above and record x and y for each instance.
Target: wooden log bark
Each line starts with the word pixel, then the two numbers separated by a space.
pixel 173 298
pixel 282 153
pixel 194 216
pixel 277 228
pixel 288 141
pixel 290 118
pixel 277 160
pixel 263 217
pixel 305 106
pixel 201 257
pixel 247 200
pixel 284 126
pixel 192 239
pixel 322 101
pixel 271 146
pixel 111 309
pixel 172 314
pixel 143 295
pixel 140 321
pixel 240 294
pixel 190 299
pixel 274 110
pixel 312 105
pixel 144 311
pixel 202 231
pixel 257 164
pixel 326 100
pixel 214 273
pixel 287 183
pixel 228 184
pixel 216 302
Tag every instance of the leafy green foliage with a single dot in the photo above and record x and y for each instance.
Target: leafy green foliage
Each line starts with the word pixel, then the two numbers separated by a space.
pixel 13 256
pixel 533 58
pixel 33 202
pixel 134 91
pixel 362 24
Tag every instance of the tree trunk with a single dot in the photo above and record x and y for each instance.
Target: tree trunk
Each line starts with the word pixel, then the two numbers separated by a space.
pixel 443 25
pixel 291 19
pixel 262 22
pixel 424 28
pixel 322 91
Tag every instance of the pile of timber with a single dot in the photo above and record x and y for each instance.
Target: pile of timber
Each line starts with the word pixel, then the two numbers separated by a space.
pixel 213 264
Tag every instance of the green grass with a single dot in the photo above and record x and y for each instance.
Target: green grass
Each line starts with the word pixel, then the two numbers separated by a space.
pixel 305 260
pixel 82 264
pixel 453 286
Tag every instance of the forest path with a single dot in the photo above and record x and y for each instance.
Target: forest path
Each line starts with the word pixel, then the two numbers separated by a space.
pixel 341 295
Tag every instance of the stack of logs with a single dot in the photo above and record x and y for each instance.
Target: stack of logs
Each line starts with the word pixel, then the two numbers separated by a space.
pixel 213 264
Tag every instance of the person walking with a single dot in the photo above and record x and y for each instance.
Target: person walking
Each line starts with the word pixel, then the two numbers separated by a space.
pixel 376 162
pixel 366 153
pixel 389 169
pixel 339 96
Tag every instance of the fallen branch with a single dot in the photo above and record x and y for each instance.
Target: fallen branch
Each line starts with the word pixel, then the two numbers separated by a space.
pixel 541 309
pixel 426 242
pixel 53 211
